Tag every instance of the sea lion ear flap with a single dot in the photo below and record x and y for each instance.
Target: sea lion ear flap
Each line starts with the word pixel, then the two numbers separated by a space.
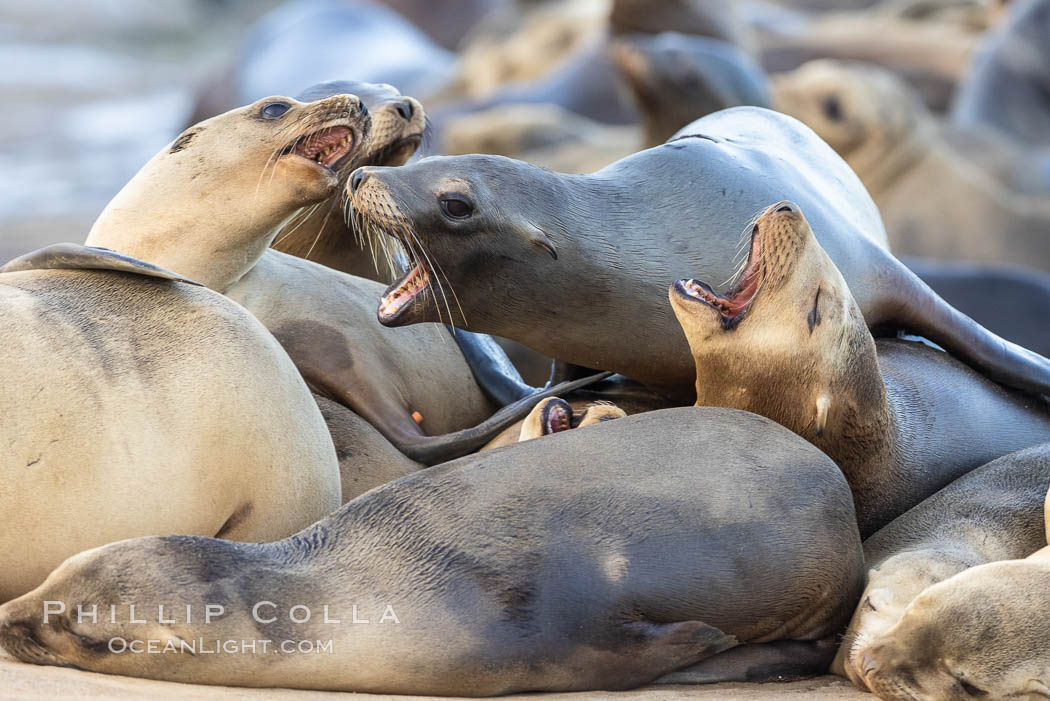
pixel 823 404
pixel 537 237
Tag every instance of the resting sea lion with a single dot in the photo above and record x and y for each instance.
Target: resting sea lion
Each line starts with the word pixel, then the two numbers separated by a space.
pixel 874 121
pixel 788 341
pixel 594 559
pixel 1007 86
pixel 979 634
pixel 554 415
pixel 600 249
pixel 138 406
pixel 993 513
pixel 322 317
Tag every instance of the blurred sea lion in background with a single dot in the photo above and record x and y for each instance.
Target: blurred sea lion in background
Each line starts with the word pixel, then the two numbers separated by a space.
pixel 993 513
pixel 936 196
pixel 1007 88
pixel 673 78
pixel 788 341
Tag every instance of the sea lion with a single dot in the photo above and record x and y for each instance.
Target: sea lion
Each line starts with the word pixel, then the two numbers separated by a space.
pixel 1006 86
pixel 415 387
pixel 674 78
pixel 993 513
pixel 593 559
pixel 978 634
pixel 788 341
pixel 138 406
pixel 874 121
pixel 599 249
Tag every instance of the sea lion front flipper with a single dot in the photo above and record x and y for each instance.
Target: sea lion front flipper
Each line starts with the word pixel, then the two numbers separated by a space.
pixel 495 374
pixel 781 660
pixel 910 304
pixel 670 646
pixel 73 256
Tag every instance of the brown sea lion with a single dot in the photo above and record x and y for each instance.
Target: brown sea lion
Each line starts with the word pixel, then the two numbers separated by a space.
pixel 595 559
pixel 972 207
pixel 978 634
pixel 599 249
pixel 788 341
pixel 415 388
pixel 993 513
pixel 138 405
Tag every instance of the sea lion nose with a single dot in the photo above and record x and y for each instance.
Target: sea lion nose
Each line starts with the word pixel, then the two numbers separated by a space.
pixel 359 176
pixel 868 664
pixel 404 109
pixel 787 207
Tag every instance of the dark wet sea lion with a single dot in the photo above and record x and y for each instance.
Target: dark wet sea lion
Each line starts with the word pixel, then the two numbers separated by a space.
pixel 975 635
pixel 137 405
pixel 788 341
pixel 593 559
pixel 599 249
pixel 1008 86
pixel 993 513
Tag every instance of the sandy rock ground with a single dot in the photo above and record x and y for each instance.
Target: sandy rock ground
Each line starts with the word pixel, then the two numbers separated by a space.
pixel 22 682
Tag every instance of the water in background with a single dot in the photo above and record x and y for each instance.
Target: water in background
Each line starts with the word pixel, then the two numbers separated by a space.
pixel 92 89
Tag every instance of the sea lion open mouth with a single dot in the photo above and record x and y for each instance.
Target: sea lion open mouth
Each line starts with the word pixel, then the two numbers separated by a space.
pixel 400 294
pixel 734 305
pixel 326 147
pixel 557 416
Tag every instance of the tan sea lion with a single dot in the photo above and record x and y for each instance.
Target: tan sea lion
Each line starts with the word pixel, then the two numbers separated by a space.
pixel 979 634
pixel 982 199
pixel 415 388
pixel 993 513
pixel 594 559
pixel 554 415
pixel 787 340
pixel 591 255
pixel 138 406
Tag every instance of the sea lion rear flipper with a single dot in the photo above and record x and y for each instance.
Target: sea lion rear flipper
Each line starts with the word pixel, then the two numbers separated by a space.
pixel 910 304
pixel 72 256
pixel 781 660
pixel 495 374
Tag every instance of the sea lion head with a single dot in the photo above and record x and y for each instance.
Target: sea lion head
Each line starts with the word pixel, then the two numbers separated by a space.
pixel 82 616
pixel 399 124
pixel 892 585
pixel 554 415
pixel 862 111
pixel 979 634
pixel 211 202
pixel 786 340
pixel 476 220
pixel 678 78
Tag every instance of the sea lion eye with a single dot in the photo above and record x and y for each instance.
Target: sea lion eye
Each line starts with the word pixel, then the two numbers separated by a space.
pixel 273 110
pixel 456 206
pixel 832 108
pixel 971 689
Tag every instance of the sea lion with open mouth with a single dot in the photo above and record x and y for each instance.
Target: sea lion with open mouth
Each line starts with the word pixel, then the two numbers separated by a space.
pixel 141 405
pixel 600 249
pixel 415 388
pixel 787 340
pixel 595 559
